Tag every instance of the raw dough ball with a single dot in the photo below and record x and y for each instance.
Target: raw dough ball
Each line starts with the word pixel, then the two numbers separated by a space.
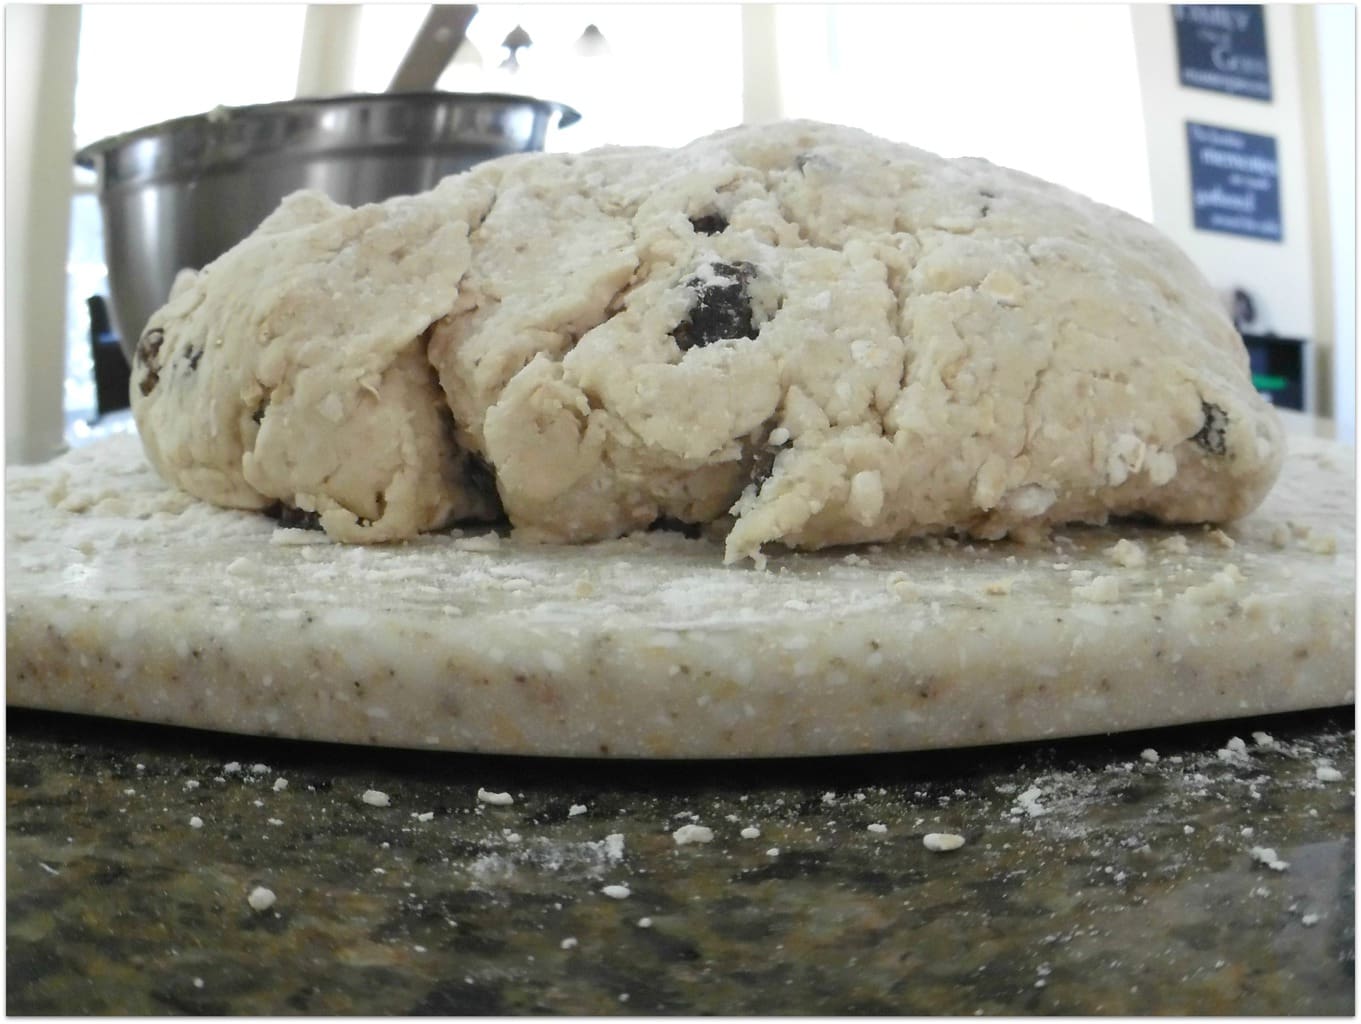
pixel 795 332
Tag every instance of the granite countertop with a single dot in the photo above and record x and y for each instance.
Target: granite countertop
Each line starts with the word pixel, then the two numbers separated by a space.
pixel 1106 876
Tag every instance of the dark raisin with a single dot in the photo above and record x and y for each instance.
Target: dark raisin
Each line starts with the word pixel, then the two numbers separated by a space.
pixel 691 530
pixel 192 356
pixel 148 348
pixel 293 518
pixel 259 414
pixel 710 224
pixel 479 475
pixel 722 308
pixel 1211 435
pixel 762 465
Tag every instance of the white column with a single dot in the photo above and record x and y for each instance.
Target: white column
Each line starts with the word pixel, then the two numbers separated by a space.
pixel 330 37
pixel 1336 30
pixel 760 67
pixel 41 43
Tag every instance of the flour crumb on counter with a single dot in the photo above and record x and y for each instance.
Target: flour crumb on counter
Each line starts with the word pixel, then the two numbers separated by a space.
pixel 687 834
pixel 195 822
pixel 1222 539
pixel 1174 545
pixel 1327 773
pixel 878 827
pixel 1223 585
pixel 576 809
pixel 1309 920
pixel 1319 543
pixel 1266 856
pixel 280 784
pixel 1127 553
pixel 644 922
pixel 750 832
pixel 1263 739
pixel 568 943
pixel 259 769
pixel 774 851
pixel 1101 590
pixel 375 798
pixel 191 783
pixel 902 588
pixel 617 892
pixel 942 842
pixel 1150 755
pixel 425 816
pixel 495 799
pixel 261 899
pixel 231 768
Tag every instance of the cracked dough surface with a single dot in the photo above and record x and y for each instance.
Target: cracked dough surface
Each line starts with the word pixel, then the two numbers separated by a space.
pixel 792 333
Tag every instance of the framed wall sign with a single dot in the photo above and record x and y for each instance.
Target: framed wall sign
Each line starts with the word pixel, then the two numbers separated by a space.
pixel 1222 47
pixel 1235 182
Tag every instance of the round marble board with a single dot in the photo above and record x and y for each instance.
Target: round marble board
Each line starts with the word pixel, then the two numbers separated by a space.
pixel 128 599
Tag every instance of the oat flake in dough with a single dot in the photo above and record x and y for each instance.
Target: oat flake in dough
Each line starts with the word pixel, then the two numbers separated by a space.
pixel 795 333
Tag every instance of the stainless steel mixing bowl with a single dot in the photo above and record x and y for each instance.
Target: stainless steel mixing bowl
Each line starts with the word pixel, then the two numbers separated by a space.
pixel 180 194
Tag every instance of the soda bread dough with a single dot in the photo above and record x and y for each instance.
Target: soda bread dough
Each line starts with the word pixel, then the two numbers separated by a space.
pixel 129 598
pixel 794 333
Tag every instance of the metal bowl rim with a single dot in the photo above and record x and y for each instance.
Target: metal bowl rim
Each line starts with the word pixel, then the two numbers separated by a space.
pixel 85 157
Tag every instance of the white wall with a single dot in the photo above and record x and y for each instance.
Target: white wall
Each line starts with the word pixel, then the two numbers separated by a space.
pixel 1050 89
pixel 1336 32
pixel 1279 275
pixel 40 78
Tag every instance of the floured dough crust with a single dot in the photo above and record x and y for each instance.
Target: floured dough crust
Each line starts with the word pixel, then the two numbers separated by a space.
pixel 791 333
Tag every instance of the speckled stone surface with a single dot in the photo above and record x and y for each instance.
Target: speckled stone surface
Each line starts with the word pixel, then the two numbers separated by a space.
pixel 1094 878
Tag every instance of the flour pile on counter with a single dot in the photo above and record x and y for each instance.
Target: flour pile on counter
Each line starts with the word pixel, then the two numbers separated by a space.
pixel 791 333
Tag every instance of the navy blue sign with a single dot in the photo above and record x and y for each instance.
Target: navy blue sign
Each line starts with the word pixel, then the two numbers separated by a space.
pixel 1235 182
pixel 1223 47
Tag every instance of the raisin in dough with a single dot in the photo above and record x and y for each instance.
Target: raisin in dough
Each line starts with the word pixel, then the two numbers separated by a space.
pixel 796 333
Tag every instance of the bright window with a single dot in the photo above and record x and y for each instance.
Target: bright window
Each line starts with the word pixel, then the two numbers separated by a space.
pixel 1052 90
pixel 140 64
pixel 672 72
pixel 144 63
